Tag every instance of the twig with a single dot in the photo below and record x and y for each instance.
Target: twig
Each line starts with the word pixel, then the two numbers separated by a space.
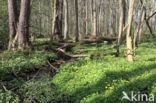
pixel 125 27
pixel 52 66
pixel 5 88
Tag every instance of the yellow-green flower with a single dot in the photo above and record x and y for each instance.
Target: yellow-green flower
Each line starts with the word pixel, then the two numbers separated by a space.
pixel 58 63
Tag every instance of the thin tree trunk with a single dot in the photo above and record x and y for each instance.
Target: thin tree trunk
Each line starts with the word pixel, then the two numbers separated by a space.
pixel 54 17
pixel 94 19
pixel 77 21
pixel 112 32
pixel 130 53
pixel 121 24
pixel 136 33
pixel 141 27
pixel 86 4
pixel 66 20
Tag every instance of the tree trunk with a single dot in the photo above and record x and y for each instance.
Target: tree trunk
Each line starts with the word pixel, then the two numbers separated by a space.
pixel 23 27
pixel 56 22
pixel 77 22
pixel 86 4
pixel 66 20
pixel 141 27
pixel 112 32
pixel 13 18
pixel 136 33
pixel 94 19
pixel 121 24
pixel 130 53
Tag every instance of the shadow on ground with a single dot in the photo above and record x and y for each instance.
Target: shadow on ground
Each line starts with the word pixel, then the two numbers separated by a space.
pixel 142 85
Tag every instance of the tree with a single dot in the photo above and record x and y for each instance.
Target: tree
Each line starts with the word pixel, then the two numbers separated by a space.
pixel 66 36
pixel 121 24
pixel 23 26
pixel 19 29
pixel 57 20
pixel 94 18
pixel 77 22
pixel 138 27
pixel 12 12
pixel 130 53
pixel 112 31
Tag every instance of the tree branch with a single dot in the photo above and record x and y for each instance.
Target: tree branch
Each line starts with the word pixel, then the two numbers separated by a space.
pixel 151 16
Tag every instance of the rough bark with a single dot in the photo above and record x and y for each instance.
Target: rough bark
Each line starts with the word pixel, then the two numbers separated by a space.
pixel 13 18
pixel 23 26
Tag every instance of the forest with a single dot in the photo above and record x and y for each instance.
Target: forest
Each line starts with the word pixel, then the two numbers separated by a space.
pixel 77 51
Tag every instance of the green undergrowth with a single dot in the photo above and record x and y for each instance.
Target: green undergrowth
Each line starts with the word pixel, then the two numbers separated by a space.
pixel 15 68
pixel 20 62
pixel 103 80
pixel 88 80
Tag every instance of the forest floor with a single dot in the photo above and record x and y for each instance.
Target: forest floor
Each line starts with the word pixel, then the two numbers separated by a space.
pixel 100 78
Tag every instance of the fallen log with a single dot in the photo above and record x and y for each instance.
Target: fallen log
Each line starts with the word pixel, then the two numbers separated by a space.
pixel 98 40
pixel 65 56
pixel 66 44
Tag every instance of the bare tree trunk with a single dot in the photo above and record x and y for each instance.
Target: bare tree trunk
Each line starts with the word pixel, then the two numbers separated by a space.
pixel 55 15
pixel 121 24
pixel 130 53
pixel 94 19
pixel 136 33
pixel 86 4
pixel 23 27
pixel 13 19
pixel 77 21
pixel 112 32
pixel 66 20
pixel 141 27
pixel 147 19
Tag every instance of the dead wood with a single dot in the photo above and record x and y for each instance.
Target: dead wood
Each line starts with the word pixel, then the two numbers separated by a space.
pixel 70 44
pixel 98 40
pixel 65 56
pixel 52 66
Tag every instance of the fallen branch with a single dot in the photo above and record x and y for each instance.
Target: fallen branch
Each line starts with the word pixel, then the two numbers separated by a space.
pixel 98 40
pixel 52 66
pixel 79 56
pixel 64 45
pixel 4 88
pixel 62 54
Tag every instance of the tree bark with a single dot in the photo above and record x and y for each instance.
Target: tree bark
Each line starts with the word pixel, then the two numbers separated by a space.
pixel 112 31
pixel 77 21
pixel 13 19
pixel 19 30
pixel 136 33
pixel 94 19
pixel 121 24
pixel 130 53
pixel 86 4
pixel 66 17
pixel 23 27
pixel 141 27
